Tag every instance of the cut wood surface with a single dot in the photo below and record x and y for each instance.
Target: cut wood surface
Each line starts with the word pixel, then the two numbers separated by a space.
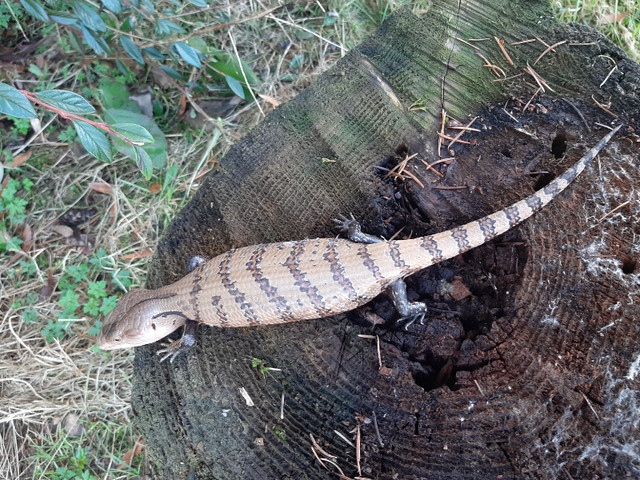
pixel 539 376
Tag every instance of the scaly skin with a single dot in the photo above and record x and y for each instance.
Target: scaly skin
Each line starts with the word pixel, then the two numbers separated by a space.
pixel 293 281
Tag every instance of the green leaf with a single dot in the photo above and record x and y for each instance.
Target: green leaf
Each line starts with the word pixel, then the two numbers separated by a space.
pixel 35 9
pixel 157 150
pixel 131 48
pixel 54 330
pixel 297 62
pixel 13 103
pixel 109 304
pixel 134 133
pixel 113 5
pixel 170 175
pixel 65 19
pixel 122 279
pixel 114 94
pixel 68 300
pixel 144 162
pixel 153 52
pixel 329 19
pixel 95 330
pixel 97 45
pixel 188 54
pixel 67 101
pixel 78 272
pixel 171 72
pixel 33 68
pixel 235 86
pixel 97 289
pixel 92 307
pixel 94 140
pixel 89 17
pixel 199 3
pixel 167 27
pixel 228 65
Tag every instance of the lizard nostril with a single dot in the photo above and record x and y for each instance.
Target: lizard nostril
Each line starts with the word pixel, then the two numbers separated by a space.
pixel 153 325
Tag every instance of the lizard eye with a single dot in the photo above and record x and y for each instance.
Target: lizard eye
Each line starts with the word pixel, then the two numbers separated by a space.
pixel 116 339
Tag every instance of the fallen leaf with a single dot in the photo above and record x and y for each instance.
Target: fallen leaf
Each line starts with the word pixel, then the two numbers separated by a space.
pixel 49 288
pixel 271 100
pixel 460 290
pixel 5 182
pixel 101 187
pixel 62 230
pixel 183 105
pixel 21 159
pixel 131 453
pixel 147 252
pixel 611 18
pixel 27 238
pixel 155 188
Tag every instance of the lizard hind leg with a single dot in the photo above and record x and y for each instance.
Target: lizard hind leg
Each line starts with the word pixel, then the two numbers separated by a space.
pixel 195 261
pixel 411 311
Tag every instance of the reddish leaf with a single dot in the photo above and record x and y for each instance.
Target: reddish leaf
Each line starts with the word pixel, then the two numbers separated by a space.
pixel 611 18
pixel 21 159
pixel 27 238
pixel 271 100
pixel 128 456
pixel 101 187
pixel 49 288
pixel 183 105
pixel 147 252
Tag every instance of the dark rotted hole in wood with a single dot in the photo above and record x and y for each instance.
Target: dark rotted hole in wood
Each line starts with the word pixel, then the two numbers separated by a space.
pixel 559 145
pixel 441 372
pixel 543 180
pixel 402 150
pixel 629 265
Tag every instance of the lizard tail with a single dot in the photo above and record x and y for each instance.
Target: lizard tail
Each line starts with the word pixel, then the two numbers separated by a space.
pixel 448 244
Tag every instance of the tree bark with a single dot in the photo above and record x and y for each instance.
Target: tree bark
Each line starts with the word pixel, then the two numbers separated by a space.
pixel 538 377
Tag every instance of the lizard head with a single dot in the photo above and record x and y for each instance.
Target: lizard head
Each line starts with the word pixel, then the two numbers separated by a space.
pixel 138 319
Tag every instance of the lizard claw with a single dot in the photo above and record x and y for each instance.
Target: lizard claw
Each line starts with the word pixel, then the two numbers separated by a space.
pixel 412 319
pixel 343 223
pixel 175 347
pixel 171 349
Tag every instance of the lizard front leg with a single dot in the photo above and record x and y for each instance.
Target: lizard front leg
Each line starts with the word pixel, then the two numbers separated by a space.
pixel 188 339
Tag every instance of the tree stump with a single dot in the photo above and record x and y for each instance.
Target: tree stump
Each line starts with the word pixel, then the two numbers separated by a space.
pixel 539 375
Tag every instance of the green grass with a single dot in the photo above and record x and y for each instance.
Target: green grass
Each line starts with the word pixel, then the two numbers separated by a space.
pixel 55 281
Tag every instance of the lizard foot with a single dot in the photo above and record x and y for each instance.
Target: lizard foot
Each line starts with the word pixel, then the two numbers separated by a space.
pixel 412 319
pixel 183 344
pixel 353 231
pixel 419 317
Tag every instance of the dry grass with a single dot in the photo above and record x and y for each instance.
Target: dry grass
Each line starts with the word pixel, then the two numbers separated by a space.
pixel 46 387
pixel 619 20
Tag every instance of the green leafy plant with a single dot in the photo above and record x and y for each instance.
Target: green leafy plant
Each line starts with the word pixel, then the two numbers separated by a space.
pixel 260 365
pixel 13 207
pixel 91 133
pixel 80 295
pixel 154 33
